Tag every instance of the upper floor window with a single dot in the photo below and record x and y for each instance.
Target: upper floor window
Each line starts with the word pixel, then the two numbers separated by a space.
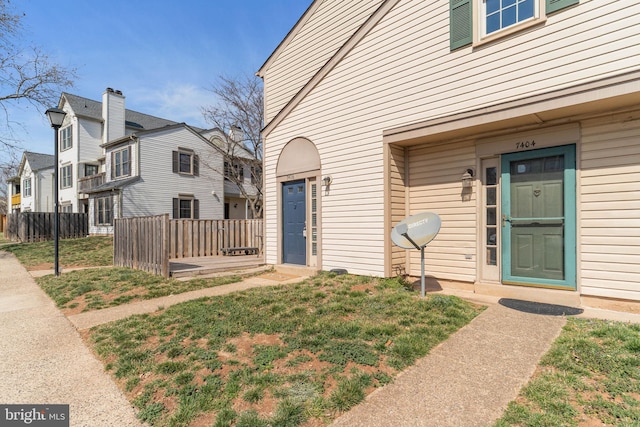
pixel 66 177
pixel 90 170
pixel 185 162
pixel 496 18
pixel 65 138
pixel 234 171
pixel 121 163
pixel 26 187
pixel 499 14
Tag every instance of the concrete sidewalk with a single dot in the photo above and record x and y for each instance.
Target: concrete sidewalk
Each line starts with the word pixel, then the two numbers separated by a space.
pixel 43 358
pixel 466 381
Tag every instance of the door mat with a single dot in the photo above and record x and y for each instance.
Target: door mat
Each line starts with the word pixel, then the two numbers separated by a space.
pixel 540 307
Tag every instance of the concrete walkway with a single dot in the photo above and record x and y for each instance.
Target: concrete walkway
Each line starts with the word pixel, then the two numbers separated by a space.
pixel 93 318
pixel 466 381
pixel 43 358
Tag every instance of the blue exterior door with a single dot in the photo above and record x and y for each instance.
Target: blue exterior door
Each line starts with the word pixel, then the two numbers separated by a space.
pixel 294 242
pixel 539 218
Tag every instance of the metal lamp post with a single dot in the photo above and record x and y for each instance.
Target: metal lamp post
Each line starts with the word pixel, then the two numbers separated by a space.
pixel 56 117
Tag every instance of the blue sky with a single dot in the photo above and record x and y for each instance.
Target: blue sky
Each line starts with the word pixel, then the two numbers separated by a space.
pixel 163 55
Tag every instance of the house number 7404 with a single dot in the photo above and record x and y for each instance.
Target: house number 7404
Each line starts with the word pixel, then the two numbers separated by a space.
pixel 523 145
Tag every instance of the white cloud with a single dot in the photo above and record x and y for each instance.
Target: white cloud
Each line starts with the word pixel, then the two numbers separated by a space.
pixel 180 102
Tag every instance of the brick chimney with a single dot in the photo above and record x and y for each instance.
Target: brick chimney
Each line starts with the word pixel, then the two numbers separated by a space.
pixel 113 115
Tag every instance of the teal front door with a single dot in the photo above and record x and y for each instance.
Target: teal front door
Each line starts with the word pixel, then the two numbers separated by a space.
pixel 539 218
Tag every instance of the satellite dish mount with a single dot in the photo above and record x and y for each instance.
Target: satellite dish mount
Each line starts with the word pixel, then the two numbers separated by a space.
pixel 416 232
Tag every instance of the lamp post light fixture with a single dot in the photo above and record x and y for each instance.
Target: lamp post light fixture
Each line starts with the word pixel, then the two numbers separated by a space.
pixel 56 117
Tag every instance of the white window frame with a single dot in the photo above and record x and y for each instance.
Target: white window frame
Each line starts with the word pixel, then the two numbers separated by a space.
pixel 490 273
pixel 117 165
pixel 480 35
pixel 26 187
pixel 66 176
pixel 189 169
pixel 181 209
pixel 66 138
pixel 104 210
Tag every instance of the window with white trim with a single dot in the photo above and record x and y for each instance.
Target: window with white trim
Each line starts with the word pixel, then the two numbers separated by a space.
pixel 104 210
pixel 65 138
pixel 186 162
pixel 66 176
pixel 495 17
pixel 121 163
pixel 500 14
pixel 26 187
pixel 186 207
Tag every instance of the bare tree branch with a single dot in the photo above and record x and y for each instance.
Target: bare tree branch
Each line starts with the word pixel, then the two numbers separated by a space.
pixel 26 74
pixel 238 113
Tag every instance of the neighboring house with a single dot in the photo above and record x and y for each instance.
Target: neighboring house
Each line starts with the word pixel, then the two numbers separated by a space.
pixel 31 190
pixel 117 163
pixel 87 125
pixel 519 127
pixel 237 170
pixel 154 172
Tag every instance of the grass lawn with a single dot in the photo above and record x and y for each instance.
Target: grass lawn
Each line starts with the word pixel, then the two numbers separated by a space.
pixel 91 251
pixel 93 289
pixel 294 355
pixel 590 377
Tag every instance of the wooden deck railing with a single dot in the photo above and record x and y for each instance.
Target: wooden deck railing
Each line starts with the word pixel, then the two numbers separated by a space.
pixel 207 237
pixel 15 199
pixel 148 243
pixel 90 182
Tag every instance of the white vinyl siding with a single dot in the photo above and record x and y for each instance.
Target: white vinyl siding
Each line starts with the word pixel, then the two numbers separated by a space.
pixel 326 30
pixel 610 208
pixel 153 194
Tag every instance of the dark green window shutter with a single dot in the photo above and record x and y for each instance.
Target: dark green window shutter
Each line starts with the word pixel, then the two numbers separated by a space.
pixel 176 208
pixel 460 23
pixel 196 165
pixel 176 161
pixel 554 5
pixel 196 209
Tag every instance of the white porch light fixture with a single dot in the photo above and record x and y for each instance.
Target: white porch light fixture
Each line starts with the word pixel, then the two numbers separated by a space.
pixel 467 178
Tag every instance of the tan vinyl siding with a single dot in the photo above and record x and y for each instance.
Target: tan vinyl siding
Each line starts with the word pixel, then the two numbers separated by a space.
pixel 610 207
pixel 324 33
pixel 403 72
pixel 398 205
pixel 435 186
pixel 405 64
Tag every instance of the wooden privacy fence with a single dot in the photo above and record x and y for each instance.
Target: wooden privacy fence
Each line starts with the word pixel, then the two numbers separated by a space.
pixel 38 226
pixel 147 243
pixel 142 243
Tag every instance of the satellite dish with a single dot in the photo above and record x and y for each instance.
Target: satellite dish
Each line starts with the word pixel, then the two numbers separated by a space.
pixel 421 228
pixel 415 232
